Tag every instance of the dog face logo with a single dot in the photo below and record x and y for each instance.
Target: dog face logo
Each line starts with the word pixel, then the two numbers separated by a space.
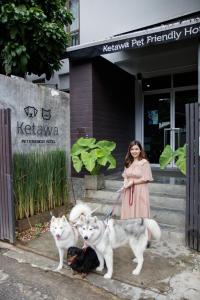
pixel 46 114
pixel 30 111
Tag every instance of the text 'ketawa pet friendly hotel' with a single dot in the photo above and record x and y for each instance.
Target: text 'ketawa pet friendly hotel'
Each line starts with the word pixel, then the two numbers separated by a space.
pixel 150 39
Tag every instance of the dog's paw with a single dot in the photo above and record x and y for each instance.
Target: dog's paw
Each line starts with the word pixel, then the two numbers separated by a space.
pixel 111 222
pixel 135 260
pixel 99 269
pixel 74 272
pixel 57 269
pixel 107 276
pixel 136 272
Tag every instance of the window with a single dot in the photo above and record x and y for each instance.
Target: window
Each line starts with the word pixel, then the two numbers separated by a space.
pixel 186 79
pixel 164 82
pixel 156 83
pixel 74 27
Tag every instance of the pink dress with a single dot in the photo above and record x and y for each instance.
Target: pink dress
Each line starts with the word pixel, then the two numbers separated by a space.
pixel 135 199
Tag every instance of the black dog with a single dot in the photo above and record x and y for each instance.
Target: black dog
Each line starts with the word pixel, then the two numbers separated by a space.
pixel 82 260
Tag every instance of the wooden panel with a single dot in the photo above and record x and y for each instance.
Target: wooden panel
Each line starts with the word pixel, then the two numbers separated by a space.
pixel 7 219
pixel 193 176
pixel 196 174
pixel 187 215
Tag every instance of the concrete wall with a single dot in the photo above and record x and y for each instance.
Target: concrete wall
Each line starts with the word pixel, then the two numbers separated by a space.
pixel 40 118
pixel 117 16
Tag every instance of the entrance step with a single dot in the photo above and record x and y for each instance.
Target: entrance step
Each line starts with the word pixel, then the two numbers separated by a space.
pixel 160 200
pixel 167 205
pixel 162 214
pixel 170 233
pixel 161 188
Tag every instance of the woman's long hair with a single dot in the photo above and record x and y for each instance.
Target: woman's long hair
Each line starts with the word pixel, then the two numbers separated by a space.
pixel 129 158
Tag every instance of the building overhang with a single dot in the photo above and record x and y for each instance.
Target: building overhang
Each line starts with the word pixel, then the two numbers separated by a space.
pixel 166 33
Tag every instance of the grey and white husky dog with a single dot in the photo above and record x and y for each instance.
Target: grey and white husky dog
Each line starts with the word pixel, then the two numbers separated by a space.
pixel 65 232
pixel 103 237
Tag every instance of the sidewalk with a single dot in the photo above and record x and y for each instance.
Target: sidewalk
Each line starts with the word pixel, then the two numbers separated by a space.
pixel 170 271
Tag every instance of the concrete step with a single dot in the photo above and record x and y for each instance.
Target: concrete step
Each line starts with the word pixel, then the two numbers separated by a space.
pixel 177 190
pixel 173 233
pixel 156 199
pixel 170 232
pixel 167 202
pixel 166 215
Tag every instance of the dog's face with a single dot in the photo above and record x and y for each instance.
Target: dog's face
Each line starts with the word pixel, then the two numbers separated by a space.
pixel 72 254
pixel 88 228
pixel 58 227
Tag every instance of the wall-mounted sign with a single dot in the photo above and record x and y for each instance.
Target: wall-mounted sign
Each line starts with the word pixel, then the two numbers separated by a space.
pixel 43 130
pixel 158 35
pixel 40 116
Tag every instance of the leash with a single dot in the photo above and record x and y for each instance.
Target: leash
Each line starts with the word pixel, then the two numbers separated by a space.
pixel 110 212
pixel 130 200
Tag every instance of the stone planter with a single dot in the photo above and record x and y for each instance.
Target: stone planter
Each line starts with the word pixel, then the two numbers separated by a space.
pixel 23 224
pixel 94 182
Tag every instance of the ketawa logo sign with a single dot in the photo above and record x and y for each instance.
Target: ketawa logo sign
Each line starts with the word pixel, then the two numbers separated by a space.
pixel 34 129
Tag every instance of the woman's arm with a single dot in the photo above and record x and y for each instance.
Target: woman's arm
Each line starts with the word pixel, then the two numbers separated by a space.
pixel 140 181
pixel 128 183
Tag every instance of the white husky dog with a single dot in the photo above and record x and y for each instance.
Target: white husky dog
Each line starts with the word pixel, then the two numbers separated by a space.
pixel 65 232
pixel 106 236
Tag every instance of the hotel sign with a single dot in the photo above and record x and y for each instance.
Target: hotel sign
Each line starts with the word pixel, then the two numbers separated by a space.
pixel 45 132
pixel 139 41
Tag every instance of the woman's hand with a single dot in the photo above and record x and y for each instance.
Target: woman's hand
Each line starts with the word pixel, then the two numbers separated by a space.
pixel 128 183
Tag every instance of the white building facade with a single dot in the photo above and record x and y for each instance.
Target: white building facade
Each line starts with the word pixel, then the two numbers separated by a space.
pixel 155 42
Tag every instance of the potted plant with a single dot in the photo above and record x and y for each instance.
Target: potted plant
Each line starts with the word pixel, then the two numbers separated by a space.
pixel 92 155
pixel 179 155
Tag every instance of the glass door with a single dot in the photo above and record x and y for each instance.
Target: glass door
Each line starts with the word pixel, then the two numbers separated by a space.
pixel 181 98
pixel 157 124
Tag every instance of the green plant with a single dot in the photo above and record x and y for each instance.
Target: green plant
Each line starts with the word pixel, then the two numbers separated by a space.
pixel 39 181
pixel 33 36
pixel 93 155
pixel 179 155
pixel 38 229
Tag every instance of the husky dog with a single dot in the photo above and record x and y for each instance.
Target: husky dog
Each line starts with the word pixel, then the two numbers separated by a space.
pixel 65 232
pixel 103 237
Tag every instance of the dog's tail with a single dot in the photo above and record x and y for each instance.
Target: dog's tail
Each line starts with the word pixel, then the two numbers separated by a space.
pixel 78 210
pixel 154 228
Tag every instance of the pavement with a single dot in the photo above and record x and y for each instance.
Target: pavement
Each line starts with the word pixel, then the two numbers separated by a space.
pixel 170 271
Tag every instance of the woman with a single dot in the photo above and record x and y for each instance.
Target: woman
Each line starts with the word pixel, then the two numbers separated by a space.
pixel 137 174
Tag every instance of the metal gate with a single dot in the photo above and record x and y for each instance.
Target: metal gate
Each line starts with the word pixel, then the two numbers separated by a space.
pixel 193 176
pixel 7 217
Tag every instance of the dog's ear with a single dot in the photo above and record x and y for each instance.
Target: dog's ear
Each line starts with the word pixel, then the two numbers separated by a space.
pixel 82 218
pixel 53 219
pixel 64 218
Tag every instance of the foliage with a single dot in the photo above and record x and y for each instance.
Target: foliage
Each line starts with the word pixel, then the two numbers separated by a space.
pixel 179 155
pixel 33 36
pixel 40 182
pixel 92 155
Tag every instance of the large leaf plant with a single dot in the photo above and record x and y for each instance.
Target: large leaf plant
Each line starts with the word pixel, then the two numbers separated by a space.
pixel 179 155
pixel 92 155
